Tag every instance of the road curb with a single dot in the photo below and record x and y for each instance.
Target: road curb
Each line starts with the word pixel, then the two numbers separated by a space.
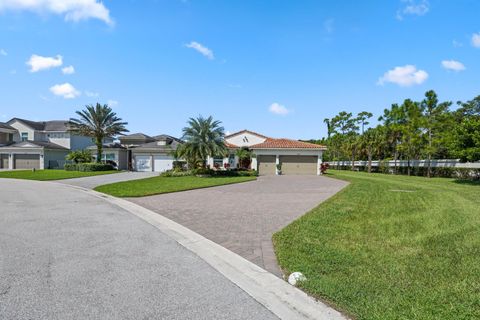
pixel 282 299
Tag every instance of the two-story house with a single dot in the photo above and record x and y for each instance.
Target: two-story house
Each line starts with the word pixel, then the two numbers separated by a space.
pixel 26 144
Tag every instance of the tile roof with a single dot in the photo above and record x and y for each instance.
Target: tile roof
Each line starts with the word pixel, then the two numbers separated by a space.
pixel 271 143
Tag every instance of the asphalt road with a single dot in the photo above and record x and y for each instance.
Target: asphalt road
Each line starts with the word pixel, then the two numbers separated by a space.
pixel 68 255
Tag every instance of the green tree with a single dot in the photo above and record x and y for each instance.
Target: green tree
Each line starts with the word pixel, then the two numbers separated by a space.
pixel 393 120
pixel 411 130
pixel 372 142
pixel 203 137
pixel 465 137
pixel 363 119
pixel 434 116
pixel 98 122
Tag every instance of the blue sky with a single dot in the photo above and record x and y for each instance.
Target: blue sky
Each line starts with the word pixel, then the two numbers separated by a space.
pixel 276 67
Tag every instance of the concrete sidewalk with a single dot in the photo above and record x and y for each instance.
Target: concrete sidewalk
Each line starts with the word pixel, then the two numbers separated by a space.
pixel 95 181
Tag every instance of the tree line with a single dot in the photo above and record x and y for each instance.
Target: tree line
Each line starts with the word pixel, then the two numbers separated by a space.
pixel 427 129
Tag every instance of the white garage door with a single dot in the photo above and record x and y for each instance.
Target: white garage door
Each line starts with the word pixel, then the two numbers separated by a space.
pixel 162 163
pixel 143 163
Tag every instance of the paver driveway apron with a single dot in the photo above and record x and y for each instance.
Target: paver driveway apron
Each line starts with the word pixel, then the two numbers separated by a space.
pixel 65 254
pixel 243 217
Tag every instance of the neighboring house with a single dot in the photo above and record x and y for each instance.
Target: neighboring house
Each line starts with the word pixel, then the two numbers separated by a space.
pixel 295 157
pixel 26 144
pixel 140 152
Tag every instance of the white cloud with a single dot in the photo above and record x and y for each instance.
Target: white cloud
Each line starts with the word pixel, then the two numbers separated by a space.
pixel 91 94
pixel 68 70
pixel 3 52
pixel 328 25
pixel 277 108
pixel 112 103
pixel 38 63
pixel 413 7
pixel 65 90
pixel 476 40
pixel 453 65
pixel 404 76
pixel 201 48
pixel 72 10
pixel 457 44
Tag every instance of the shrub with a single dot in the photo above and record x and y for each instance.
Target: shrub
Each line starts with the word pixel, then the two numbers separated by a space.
pixel 179 165
pixel 80 156
pixel 323 167
pixel 88 167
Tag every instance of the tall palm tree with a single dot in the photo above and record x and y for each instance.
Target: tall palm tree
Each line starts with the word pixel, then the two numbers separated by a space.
pixel 98 122
pixel 203 138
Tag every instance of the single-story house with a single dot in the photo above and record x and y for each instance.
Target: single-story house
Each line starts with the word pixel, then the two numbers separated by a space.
pixel 295 157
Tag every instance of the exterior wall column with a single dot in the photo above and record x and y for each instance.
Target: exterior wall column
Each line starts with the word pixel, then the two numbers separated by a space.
pixel 42 161
pixel 277 162
pixel 319 163
pixel 254 163
pixel 152 163
pixel 10 161
pixel 210 162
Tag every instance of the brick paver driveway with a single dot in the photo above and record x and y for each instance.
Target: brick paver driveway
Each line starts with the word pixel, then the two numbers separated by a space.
pixel 243 217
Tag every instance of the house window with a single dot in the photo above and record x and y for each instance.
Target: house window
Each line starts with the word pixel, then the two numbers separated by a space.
pixel 24 136
pixel 217 162
pixel 10 137
pixel 110 156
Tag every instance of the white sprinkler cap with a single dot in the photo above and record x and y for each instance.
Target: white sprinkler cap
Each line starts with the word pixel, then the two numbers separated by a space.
pixel 296 277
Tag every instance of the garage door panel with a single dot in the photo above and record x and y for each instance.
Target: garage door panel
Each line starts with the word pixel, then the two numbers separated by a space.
pixel 299 165
pixel 3 161
pixel 143 163
pixel 266 165
pixel 27 161
pixel 162 163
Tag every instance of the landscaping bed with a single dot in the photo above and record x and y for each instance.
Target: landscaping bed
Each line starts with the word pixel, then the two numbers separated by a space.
pixel 50 174
pixel 391 247
pixel 158 185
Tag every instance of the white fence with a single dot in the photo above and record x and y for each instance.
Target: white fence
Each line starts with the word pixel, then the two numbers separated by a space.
pixel 444 163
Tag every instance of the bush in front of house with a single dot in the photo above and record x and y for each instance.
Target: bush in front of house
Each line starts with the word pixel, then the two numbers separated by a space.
pixel 80 156
pixel 88 167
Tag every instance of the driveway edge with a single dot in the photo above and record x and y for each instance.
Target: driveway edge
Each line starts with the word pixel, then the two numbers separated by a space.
pixel 282 299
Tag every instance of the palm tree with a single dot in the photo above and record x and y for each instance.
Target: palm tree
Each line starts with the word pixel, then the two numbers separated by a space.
pixel 203 138
pixel 244 155
pixel 98 122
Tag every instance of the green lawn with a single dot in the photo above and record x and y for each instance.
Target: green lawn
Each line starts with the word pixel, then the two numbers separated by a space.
pixel 44 175
pixel 391 247
pixel 157 185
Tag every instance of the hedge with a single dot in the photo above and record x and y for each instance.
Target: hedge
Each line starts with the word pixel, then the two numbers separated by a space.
pixel 86 167
pixel 444 172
